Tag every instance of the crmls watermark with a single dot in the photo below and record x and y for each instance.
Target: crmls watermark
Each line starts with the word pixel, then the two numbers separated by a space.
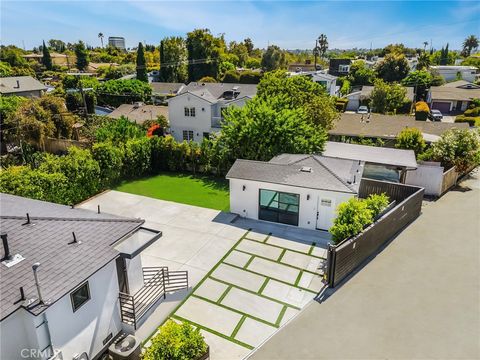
pixel 38 354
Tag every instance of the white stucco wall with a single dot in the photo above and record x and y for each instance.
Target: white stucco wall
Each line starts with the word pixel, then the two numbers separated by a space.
pixel 451 74
pixel 178 121
pixel 428 175
pixel 135 274
pixel 246 203
pixel 84 330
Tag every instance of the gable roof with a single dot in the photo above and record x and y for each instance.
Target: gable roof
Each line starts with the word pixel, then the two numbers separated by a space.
pixel 387 126
pixel 16 84
pixel 214 92
pixel 165 88
pixel 371 154
pixel 326 173
pixel 140 113
pixel 45 240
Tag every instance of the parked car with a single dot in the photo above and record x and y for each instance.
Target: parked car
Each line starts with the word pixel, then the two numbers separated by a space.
pixel 362 110
pixel 436 115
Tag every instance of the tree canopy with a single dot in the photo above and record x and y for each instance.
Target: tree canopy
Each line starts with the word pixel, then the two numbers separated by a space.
pixel 141 64
pixel 273 59
pixel 393 68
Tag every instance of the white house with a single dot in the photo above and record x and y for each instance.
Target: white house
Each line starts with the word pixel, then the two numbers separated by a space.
pixel 70 278
pixel 299 190
pixel 454 72
pixel 329 82
pixel 196 111
pixel 454 96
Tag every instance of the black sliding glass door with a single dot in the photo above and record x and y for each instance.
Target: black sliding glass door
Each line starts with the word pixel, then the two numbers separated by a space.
pixel 278 207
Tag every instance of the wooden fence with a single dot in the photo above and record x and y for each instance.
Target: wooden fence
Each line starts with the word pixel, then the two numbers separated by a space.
pixel 345 257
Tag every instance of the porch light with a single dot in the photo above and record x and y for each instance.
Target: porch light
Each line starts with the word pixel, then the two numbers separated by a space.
pixel 244 187
pixel 308 196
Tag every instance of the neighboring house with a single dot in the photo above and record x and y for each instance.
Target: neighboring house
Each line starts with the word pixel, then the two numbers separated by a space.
pixel 139 112
pixel 339 67
pixel 93 67
pixel 57 59
pixel 301 67
pixel 356 98
pixel 454 72
pixel 453 97
pixel 68 276
pixel 117 42
pixel 196 111
pixel 21 86
pixel 299 190
pixel 329 82
pixel 164 90
pixel 380 163
pixel 387 127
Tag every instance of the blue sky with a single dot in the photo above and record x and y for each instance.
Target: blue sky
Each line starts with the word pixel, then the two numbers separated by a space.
pixel 289 24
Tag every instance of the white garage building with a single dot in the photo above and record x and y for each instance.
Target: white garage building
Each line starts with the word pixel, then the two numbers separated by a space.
pixel 300 190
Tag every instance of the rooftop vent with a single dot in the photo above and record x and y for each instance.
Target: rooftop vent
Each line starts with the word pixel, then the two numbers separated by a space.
pixel 17 86
pixel 74 241
pixel 8 260
pixel 235 88
pixel 307 169
pixel 137 104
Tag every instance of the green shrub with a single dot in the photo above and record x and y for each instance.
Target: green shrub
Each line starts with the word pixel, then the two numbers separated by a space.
pixel 472 121
pixel 137 160
pixel 352 217
pixel 472 112
pixel 231 76
pixel 250 77
pixel 176 342
pixel 110 160
pixel 121 91
pixel 377 203
pixel 119 131
pixel 411 139
pixel 207 79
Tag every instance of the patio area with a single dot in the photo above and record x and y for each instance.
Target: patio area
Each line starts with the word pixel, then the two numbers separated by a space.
pixel 247 278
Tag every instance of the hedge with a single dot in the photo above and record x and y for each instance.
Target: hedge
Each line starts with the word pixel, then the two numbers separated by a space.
pixel 471 120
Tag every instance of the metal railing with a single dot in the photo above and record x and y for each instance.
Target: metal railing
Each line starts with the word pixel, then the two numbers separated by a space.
pixel 158 281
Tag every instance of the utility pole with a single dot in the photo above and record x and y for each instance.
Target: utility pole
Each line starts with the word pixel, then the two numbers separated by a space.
pixel 84 100
pixel 315 52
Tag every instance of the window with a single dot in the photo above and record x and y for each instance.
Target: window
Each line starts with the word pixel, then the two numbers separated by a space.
pixel 192 112
pixel 188 135
pixel 206 135
pixel 279 207
pixel 80 296
pixel 187 111
pixel 344 68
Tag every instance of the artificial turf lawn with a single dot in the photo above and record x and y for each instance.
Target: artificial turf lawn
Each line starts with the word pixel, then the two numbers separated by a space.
pixel 204 191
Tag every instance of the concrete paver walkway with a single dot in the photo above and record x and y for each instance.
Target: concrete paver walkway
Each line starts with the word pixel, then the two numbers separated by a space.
pixel 418 299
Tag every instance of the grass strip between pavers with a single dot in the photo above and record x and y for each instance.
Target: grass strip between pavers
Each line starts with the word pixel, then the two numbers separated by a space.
pixel 214 332
pixel 198 285
pixel 224 294
pixel 239 325
pixel 280 281
pixel 268 237
pixel 298 278
pixel 264 285
pixel 280 316
pixel 257 293
pixel 281 247
pixel 249 260
pixel 311 249
pixel 281 255
pixel 253 317
pixel 276 261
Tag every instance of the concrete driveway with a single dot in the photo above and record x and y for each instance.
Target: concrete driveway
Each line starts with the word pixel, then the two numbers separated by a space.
pixel 248 277
pixel 418 299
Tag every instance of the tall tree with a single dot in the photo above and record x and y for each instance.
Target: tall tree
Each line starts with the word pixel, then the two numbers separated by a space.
pixel 82 56
pixel 141 64
pixel 173 58
pixel 100 36
pixel 393 68
pixel 322 45
pixel 273 59
pixel 423 61
pixel 470 43
pixel 203 54
pixel 249 44
pixel 444 56
pixel 46 58
pixel 387 97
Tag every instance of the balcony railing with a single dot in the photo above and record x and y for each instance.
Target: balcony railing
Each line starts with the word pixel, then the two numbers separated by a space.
pixel 158 281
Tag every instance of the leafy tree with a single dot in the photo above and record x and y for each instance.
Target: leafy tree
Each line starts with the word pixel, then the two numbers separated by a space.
pixel 411 139
pixel 299 92
pixel 360 74
pixel 9 105
pixel 110 161
pixel 119 131
pixel 273 59
pixel 393 68
pixel 352 217
pixel 141 65
pixel 241 51
pixel 421 80
pixel 203 53
pixel 137 157
pixel 226 66
pixel 13 55
pixel 46 58
pixel 253 63
pixel 387 97
pixel 57 45
pixel 470 43
pixel 459 148
pixel 176 342
pixel 264 128
pixel 423 61
pixel 122 91
pixel 322 45
pixel 249 45
pixel 231 76
pixel 207 79
pixel 443 57
pixel 82 56
pixel 250 77
pixel 5 69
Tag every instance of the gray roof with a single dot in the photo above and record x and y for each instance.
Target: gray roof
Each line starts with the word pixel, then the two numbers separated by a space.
pixel 214 92
pixel 371 154
pixel 367 91
pixel 140 113
pixel 63 267
pixel 164 88
pixel 457 90
pixel 16 84
pixel 326 173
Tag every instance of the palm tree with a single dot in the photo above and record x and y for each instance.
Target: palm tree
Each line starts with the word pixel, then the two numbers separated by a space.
pixel 425 44
pixel 100 35
pixel 470 43
pixel 322 44
pixel 423 61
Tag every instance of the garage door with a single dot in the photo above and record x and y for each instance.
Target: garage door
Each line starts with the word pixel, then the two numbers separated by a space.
pixel 444 107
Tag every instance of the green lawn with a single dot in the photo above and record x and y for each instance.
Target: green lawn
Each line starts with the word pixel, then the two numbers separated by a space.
pixel 204 191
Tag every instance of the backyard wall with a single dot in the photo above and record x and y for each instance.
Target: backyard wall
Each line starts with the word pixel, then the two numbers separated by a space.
pixel 428 175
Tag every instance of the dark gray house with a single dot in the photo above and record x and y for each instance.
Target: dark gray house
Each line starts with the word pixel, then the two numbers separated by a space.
pixel 339 67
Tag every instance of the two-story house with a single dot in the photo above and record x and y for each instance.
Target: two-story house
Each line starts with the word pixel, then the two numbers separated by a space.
pixel 339 67
pixel 329 82
pixel 196 111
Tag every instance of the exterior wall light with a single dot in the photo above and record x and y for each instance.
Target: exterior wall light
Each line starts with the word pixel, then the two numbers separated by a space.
pixel 308 196
pixel 244 187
